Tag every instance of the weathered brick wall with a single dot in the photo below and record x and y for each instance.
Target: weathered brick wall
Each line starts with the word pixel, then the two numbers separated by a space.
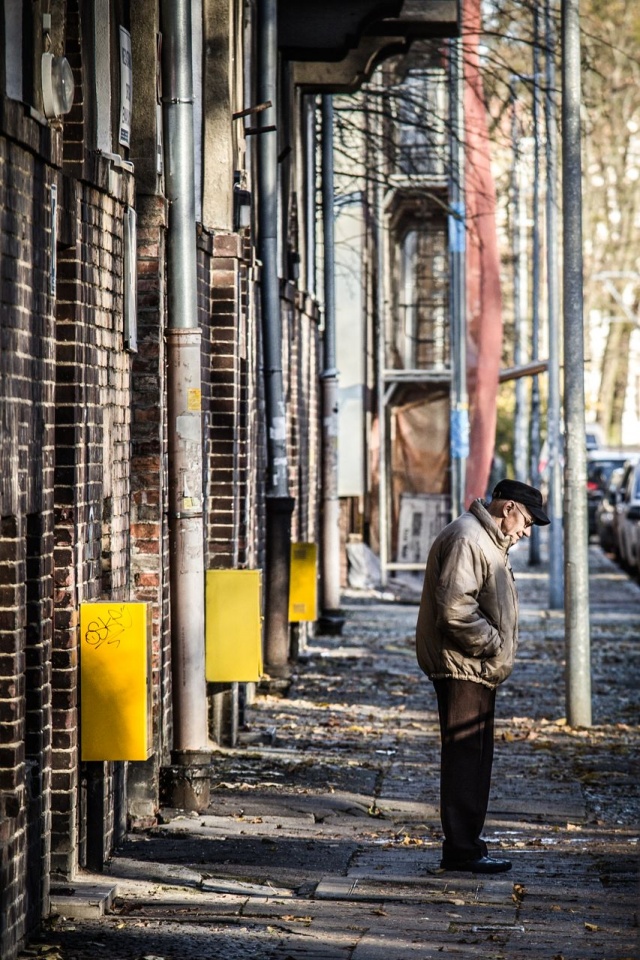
pixel 233 400
pixel 149 492
pixel 302 387
pixel 28 158
pixel 252 407
pixel 221 319
pixel 91 486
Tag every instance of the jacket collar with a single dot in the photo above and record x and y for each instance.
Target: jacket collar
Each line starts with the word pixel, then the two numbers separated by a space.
pixel 482 515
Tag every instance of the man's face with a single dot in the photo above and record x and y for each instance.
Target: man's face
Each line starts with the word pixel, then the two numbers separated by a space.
pixel 517 522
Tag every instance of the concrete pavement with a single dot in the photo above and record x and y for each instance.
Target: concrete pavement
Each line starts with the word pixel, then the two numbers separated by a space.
pixel 322 841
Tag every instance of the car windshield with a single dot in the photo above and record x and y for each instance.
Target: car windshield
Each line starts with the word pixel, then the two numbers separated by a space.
pixel 599 471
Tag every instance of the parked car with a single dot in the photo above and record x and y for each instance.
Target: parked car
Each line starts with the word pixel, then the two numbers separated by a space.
pixel 600 466
pixel 593 442
pixel 606 510
pixel 627 516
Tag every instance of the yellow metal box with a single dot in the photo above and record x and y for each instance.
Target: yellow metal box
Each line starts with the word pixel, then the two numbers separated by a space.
pixel 233 626
pixel 115 681
pixel 303 588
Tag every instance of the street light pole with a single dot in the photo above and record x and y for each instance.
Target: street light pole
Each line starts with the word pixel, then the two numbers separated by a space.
pixel 577 638
pixel 534 435
pixel 459 416
pixel 519 245
pixel 556 553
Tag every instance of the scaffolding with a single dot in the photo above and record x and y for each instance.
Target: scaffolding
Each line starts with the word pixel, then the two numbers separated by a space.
pixel 413 302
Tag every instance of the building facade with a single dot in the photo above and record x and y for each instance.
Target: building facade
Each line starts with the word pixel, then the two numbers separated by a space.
pixel 87 301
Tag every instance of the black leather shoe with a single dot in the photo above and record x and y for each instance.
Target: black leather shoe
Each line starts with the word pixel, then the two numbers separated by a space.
pixel 480 865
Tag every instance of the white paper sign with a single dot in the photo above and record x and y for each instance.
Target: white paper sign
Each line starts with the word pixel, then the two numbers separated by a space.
pixel 126 76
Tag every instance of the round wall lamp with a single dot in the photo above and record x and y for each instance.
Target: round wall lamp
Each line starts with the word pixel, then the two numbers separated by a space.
pixel 57 85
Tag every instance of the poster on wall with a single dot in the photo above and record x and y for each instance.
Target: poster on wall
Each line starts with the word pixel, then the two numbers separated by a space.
pixel 124 135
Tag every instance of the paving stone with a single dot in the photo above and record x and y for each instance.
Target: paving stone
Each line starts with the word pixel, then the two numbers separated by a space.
pixel 325 844
pixel 82 900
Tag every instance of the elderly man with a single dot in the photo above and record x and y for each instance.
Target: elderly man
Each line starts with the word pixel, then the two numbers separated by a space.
pixel 466 641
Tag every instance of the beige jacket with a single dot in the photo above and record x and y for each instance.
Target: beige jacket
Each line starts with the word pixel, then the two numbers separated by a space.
pixel 468 621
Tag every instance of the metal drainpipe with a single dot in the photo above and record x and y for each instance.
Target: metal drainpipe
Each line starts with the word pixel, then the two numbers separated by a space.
pixel 330 501
pixel 310 191
pixel 183 392
pixel 279 503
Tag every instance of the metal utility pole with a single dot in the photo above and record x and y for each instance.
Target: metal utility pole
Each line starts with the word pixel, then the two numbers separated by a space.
pixel 534 436
pixel 381 357
pixel 459 416
pixel 183 391
pixel 556 553
pixel 330 501
pixel 279 503
pixel 576 542
pixel 520 290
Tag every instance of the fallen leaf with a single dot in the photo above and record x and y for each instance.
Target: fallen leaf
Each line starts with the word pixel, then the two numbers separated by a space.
pixel 519 891
pixel 408 841
pixel 591 927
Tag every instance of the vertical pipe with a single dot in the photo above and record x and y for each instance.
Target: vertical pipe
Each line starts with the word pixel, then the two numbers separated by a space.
pixel 534 436
pixel 520 292
pixel 519 295
pixel 183 388
pixel 381 350
pixel 310 192
pixel 577 638
pixel 459 404
pixel 556 566
pixel 330 501
pixel 279 503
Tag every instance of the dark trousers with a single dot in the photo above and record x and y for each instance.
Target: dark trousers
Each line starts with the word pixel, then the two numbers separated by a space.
pixel 466 712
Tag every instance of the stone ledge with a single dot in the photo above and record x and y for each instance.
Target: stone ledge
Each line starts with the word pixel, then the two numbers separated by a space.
pixel 82 900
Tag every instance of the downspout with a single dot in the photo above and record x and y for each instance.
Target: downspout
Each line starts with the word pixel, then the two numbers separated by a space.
pixel 310 191
pixel 279 504
pixel 330 501
pixel 186 533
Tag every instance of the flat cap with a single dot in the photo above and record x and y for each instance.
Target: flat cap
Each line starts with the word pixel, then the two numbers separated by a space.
pixel 529 497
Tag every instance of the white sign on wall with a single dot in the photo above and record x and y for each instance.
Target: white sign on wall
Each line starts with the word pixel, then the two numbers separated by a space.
pixel 126 76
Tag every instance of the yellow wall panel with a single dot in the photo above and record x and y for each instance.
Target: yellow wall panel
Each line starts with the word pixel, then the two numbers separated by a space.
pixel 303 588
pixel 233 626
pixel 115 681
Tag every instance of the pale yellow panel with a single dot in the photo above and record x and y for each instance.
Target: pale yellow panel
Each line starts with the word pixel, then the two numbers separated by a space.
pixel 303 588
pixel 233 626
pixel 115 681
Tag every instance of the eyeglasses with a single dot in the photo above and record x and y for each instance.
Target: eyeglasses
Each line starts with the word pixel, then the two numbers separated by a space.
pixel 528 522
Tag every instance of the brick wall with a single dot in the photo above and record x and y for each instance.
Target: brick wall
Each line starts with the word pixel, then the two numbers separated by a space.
pixel 234 404
pixel 301 369
pixel 149 490
pixel 26 521
pixel 92 419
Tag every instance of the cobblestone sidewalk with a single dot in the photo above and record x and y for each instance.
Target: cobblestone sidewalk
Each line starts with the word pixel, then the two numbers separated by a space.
pixel 322 840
